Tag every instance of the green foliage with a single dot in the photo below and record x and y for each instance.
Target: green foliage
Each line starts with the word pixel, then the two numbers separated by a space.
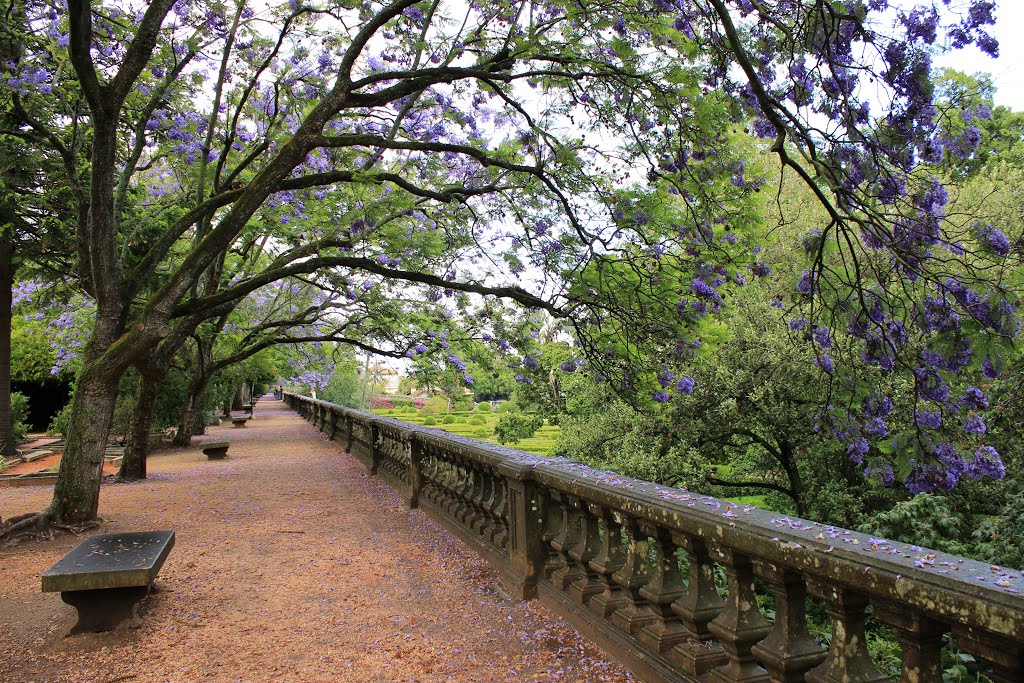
pixel 61 421
pixel 19 414
pixel 483 407
pixel 925 520
pixel 1000 540
pixel 508 407
pixel 436 405
pixel 514 427
pixel 345 387
pixel 477 420
pixel 448 419
pixel 429 420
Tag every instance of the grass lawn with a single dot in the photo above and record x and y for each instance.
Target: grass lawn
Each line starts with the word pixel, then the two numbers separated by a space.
pixel 541 443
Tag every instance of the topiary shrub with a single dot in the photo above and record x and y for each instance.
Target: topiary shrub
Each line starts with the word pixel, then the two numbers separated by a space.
pixel 477 420
pixel 483 407
pixel 460 420
pixel 508 407
pixel 447 420
pixel 430 420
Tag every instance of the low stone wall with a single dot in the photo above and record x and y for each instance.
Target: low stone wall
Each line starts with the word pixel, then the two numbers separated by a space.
pixel 632 564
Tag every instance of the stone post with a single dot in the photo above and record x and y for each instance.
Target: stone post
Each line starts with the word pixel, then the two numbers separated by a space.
pixel 526 548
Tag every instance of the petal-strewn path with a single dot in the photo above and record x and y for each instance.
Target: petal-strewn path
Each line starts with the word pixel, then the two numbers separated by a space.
pixel 291 564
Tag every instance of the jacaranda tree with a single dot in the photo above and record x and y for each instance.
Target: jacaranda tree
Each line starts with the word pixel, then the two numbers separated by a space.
pixel 589 160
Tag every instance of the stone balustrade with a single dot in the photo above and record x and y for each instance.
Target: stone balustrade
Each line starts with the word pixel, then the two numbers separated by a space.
pixel 633 565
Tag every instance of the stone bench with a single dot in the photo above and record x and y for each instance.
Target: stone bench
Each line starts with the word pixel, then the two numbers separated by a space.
pixel 105 576
pixel 216 450
pixel 239 421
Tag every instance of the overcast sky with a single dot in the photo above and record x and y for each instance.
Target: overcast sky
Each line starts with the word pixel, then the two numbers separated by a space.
pixel 1008 70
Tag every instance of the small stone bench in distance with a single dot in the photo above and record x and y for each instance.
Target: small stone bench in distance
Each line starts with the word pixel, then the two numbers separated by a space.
pixel 216 450
pixel 239 421
pixel 106 575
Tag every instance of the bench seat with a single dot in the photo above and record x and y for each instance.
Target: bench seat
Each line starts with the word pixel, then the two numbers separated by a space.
pixel 106 575
pixel 215 450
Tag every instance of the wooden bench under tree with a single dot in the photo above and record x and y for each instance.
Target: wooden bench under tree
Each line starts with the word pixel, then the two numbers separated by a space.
pixel 105 576
pixel 215 450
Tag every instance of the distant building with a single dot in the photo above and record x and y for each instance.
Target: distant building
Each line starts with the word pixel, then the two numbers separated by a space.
pixel 385 378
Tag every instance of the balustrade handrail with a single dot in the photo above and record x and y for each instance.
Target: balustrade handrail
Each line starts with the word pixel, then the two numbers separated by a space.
pixel 606 550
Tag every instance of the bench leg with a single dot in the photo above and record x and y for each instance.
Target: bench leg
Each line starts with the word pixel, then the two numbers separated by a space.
pixel 103 609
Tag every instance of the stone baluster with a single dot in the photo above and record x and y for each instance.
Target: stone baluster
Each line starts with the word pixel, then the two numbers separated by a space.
pixel 498 534
pixel 467 484
pixel 1006 657
pixel 789 651
pixel 920 639
pixel 697 608
pixel 568 536
pixel 582 552
pixel 375 456
pixel 332 424
pixel 740 625
pixel 456 482
pixel 482 497
pixel 610 559
pixel 551 528
pixel 482 522
pixel 416 475
pixel 847 660
pixel 635 613
pixel 665 630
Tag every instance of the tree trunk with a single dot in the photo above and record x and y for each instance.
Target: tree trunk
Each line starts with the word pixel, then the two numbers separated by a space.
pixel 186 425
pixel 136 447
pixel 76 495
pixel 7 445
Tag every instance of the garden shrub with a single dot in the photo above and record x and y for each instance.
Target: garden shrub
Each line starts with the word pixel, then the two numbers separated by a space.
pixel 477 420
pixel 508 407
pixel 483 407
pixel 429 420
pixel 19 413
pixel 925 520
pixel 447 420
pixel 514 427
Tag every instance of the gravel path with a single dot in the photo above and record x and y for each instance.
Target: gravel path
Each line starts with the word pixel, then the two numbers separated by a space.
pixel 290 564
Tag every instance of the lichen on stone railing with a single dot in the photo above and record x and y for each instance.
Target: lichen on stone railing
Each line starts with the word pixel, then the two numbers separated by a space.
pixel 633 564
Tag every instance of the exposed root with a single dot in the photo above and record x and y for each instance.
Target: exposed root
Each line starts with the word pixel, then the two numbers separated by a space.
pixel 39 526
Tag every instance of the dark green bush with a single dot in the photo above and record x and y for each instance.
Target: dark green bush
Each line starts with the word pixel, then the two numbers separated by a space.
pixel 514 427
pixel 19 413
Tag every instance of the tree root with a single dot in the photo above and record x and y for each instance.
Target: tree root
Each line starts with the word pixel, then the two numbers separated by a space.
pixel 39 526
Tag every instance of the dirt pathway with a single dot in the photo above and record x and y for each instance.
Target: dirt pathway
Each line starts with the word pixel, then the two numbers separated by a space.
pixel 291 564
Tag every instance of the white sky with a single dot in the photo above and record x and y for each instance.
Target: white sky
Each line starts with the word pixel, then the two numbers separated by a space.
pixel 1008 70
